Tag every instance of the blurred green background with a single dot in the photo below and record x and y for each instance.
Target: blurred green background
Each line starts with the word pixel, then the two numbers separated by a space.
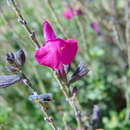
pixel 106 56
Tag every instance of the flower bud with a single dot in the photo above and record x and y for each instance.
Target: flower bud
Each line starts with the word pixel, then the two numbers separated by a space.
pixel 41 97
pixel 20 57
pixel 96 28
pixel 74 91
pixel 79 73
pixel 10 57
pixel 16 59
pixel 8 80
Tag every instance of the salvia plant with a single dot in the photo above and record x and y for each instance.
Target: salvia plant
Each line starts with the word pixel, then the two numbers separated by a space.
pixel 59 56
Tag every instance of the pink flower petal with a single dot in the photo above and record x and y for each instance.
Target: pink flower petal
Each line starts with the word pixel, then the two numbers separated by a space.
pixel 56 51
pixel 69 52
pixel 57 44
pixel 47 56
pixel 48 32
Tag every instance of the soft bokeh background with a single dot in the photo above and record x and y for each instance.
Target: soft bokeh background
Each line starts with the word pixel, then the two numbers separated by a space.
pixel 106 56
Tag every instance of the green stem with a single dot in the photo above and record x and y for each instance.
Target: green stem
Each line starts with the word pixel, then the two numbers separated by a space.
pixel 48 118
pixel 43 108
pixel 24 22
pixel 70 101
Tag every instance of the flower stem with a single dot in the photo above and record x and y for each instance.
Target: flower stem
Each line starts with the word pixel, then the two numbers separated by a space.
pixel 24 22
pixel 48 118
pixel 28 83
pixel 71 101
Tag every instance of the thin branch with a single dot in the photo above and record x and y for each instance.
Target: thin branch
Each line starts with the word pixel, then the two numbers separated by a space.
pixel 28 83
pixel 48 118
pixel 71 101
pixel 24 22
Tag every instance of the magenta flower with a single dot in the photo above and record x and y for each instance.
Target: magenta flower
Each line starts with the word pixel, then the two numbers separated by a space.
pixel 56 52
pixel 78 12
pixel 69 13
pixel 96 28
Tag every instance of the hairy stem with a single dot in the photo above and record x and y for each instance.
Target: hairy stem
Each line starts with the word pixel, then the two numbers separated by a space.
pixel 24 22
pixel 48 118
pixel 28 83
pixel 71 101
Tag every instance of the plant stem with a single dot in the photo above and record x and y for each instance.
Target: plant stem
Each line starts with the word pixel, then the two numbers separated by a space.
pixel 48 118
pixel 71 101
pixel 77 113
pixel 27 82
pixel 24 22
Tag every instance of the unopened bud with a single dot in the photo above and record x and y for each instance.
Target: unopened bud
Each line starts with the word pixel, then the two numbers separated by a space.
pixel 74 91
pixel 79 73
pixel 41 97
pixel 16 59
pixel 20 57
pixel 10 57
pixel 8 80
pixel 96 28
